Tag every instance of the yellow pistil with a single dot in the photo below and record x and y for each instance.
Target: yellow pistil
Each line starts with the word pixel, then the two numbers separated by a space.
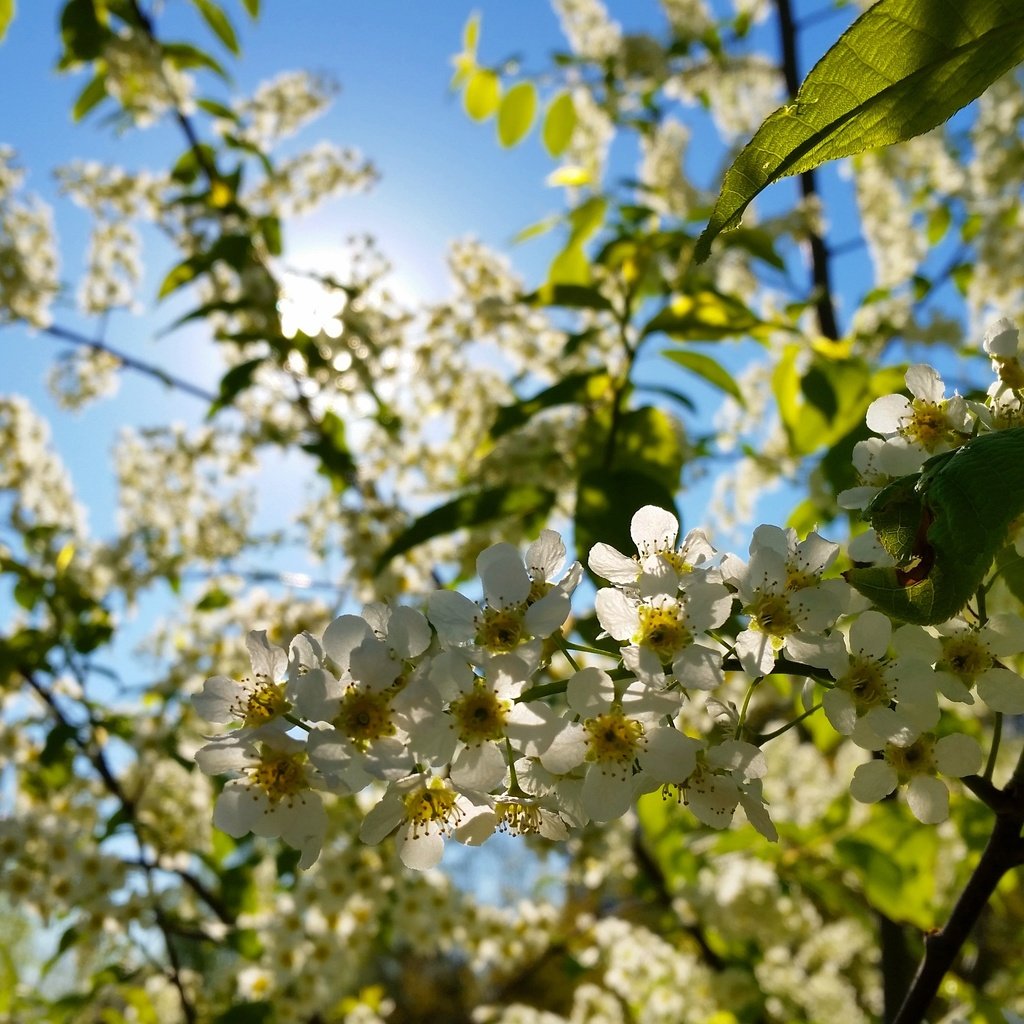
pixel 676 560
pixel 865 683
pixel 965 656
pixel 662 630
pixel 280 775
pixel 500 630
pixel 433 805
pixel 364 716
pixel 771 614
pixel 917 759
pixel 480 715
pixel 265 703
pixel 928 425
pixel 520 817
pixel 613 738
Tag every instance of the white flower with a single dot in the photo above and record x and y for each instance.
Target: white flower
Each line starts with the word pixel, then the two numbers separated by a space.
pixel 257 700
pixel 783 593
pixel 521 603
pixel 654 531
pixel 916 767
pixel 423 811
pixel 929 422
pixel 868 681
pixel 275 797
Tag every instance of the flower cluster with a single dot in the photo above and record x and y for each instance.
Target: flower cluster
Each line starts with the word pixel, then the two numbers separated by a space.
pixel 476 717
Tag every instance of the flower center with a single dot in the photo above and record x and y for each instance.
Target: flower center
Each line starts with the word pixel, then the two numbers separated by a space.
pixel 917 759
pixel 614 739
pixel 965 657
pixel 928 424
pixel 676 560
pixel 662 631
pixel 770 613
pixel 520 817
pixel 432 808
pixel 280 775
pixel 265 703
pixel 538 589
pixel 500 629
pixel 364 716
pixel 1010 371
pixel 865 682
pixel 480 715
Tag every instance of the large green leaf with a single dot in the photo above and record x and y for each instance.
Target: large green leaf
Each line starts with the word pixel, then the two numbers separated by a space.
pixel 471 509
pixel 903 67
pixel 710 369
pixel 943 527
pixel 577 388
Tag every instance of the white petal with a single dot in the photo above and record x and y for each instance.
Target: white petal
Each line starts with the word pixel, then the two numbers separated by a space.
pixel 923 381
pixel 238 807
pixel 383 819
pixel 870 635
pixel 928 798
pixel 617 613
pixel 957 755
pixel 670 756
pixel 453 615
pixel 545 556
pixel 503 575
pixel 408 632
pixel 422 851
pixel 607 795
pixel 872 781
pixel 546 616
pixel 653 529
pixel 478 768
pixel 218 697
pixel 566 751
pixel 1002 690
pixel 590 692
pixel 885 415
pixel 610 564
pixel 343 635
pixel 268 659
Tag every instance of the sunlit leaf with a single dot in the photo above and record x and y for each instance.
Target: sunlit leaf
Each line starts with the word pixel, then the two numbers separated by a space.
pixel 83 34
pixel 903 67
pixel 516 112
pixel 703 316
pixel 471 33
pixel 571 176
pixel 559 124
pixel 7 9
pixel 94 93
pixel 943 527
pixel 214 16
pixel 185 55
pixel 709 369
pixel 482 95
pixel 572 296
pixel 574 389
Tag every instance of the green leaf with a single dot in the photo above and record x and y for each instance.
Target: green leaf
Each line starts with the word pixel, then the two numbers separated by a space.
pixel 94 93
pixel 7 10
pixel 575 389
pixel 213 599
pixel 332 450
pixel 482 95
pixel 217 109
pixel 516 112
pixel 472 509
pixel 185 55
pixel 704 316
pixel 83 34
pixel 253 7
pixel 235 250
pixel 214 16
pixel 938 223
pixel 903 67
pixel 569 268
pixel 235 381
pixel 943 527
pixel 710 369
pixel 559 124
pixel 571 296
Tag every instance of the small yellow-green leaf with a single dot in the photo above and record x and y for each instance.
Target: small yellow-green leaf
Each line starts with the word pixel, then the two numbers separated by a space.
pixel 253 7
pixel 94 93
pixel 219 22
pixel 483 94
pixel 6 14
pixel 559 124
pixel 471 33
pixel 516 113
pixel 903 67
pixel 570 266
pixel 938 224
pixel 571 176
pixel 710 369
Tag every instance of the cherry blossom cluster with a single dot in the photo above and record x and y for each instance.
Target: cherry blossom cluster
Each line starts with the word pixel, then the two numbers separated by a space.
pixel 476 716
